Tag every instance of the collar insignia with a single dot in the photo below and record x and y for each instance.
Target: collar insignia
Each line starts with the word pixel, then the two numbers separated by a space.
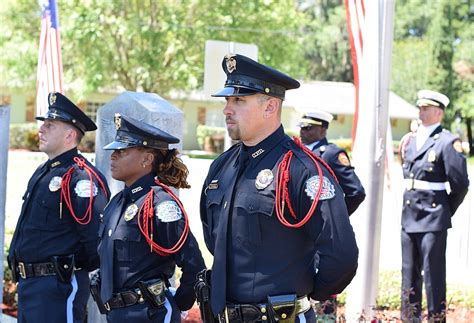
pixel 137 189
pixel 56 163
pixel 258 153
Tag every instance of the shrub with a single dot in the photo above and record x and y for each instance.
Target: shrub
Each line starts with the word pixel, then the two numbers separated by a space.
pixel 211 133
pixel 24 136
pixel 87 144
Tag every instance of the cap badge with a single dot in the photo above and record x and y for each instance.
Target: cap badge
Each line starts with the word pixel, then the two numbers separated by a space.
pixel 230 63
pixel 130 212
pixel 52 99
pixel 55 183
pixel 264 178
pixel 432 156
pixel 118 121
pixel 312 187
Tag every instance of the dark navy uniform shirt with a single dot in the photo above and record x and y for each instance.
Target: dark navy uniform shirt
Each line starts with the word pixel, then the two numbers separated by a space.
pixel 125 254
pixel 437 161
pixel 264 257
pixel 351 186
pixel 41 231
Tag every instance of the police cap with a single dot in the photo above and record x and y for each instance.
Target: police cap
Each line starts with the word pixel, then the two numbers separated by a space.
pixel 134 133
pixel 316 117
pixel 62 109
pixel 428 97
pixel 246 77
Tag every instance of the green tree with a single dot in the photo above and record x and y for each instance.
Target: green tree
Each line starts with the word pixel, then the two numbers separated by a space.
pixel 153 46
pixel 327 48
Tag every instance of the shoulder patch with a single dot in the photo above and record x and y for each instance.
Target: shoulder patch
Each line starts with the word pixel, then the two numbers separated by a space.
pixel 457 145
pixel 312 187
pixel 343 159
pixel 168 211
pixel 83 188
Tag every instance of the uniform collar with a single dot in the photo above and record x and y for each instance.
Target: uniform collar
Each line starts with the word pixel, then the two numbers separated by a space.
pixel 139 188
pixel 429 130
pixel 63 158
pixel 257 152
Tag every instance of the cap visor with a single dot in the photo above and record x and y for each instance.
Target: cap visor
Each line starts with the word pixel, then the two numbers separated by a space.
pixel 232 91
pixel 117 145
pixel 40 118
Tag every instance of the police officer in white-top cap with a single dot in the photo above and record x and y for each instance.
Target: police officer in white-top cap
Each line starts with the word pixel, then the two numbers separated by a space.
pixel 431 158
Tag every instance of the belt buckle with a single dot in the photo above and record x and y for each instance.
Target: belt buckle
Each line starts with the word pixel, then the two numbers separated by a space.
pixel 21 270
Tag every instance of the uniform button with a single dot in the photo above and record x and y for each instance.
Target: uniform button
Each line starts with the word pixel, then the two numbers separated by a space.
pixel 263 310
pixel 407 202
pixel 412 175
pixel 264 317
pixel 430 169
pixel 66 266
pixel 283 316
pixel 433 205
pixel 251 207
pixel 225 204
pixel 110 232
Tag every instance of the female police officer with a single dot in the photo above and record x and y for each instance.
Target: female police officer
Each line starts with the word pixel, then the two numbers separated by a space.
pixel 144 231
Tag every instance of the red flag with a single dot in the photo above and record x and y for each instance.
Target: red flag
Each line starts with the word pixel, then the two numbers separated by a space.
pixel 50 67
pixel 355 17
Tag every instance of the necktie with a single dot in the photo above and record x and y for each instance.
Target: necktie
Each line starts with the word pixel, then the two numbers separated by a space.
pixel 106 251
pixel 219 268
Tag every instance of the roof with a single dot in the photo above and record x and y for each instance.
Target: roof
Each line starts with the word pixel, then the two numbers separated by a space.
pixel 338 98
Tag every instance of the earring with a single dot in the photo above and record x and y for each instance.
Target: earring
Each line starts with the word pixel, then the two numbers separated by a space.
pixel 143 165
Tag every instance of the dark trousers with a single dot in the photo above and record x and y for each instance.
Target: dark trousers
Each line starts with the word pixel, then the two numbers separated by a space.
pixel 45 299
pixel 143 313
pixel 423 251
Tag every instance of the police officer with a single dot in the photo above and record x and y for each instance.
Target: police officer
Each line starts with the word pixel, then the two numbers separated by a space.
pixel 55 241
pixel 144 232
pixel 313 127
pixel 268 207
pixel 431 157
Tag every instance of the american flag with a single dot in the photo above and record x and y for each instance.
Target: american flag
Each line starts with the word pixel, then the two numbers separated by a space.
pixel 50 66
pixel 355 17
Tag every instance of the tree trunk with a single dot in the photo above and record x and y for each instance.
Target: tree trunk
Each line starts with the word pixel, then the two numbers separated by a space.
pixel 469 136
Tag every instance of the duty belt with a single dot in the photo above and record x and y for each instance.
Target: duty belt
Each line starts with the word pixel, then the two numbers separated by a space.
pixel 35 270
pixel 124 299
pixel 259 312
pixel 135 296
pixel 411 184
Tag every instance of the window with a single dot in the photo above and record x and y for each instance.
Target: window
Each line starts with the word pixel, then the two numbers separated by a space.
pixel 91 109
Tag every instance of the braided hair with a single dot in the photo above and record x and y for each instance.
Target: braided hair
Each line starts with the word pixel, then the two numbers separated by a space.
pixel 169 168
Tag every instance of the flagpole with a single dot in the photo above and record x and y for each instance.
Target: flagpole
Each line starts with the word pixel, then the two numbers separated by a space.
pixel 369 153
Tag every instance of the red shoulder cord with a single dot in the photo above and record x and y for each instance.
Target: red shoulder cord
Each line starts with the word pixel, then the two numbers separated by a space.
pixel 283 177
pixel 146 220
pixel 66 192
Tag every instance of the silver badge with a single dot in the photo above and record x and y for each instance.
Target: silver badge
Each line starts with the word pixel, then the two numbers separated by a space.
pixel 130 212
pixel 168 211
pixel 230 63
pixel 432 156
pixel 83 188
pixel 312 187
pixel 52 98
pixel 55 183
pixel 264 178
